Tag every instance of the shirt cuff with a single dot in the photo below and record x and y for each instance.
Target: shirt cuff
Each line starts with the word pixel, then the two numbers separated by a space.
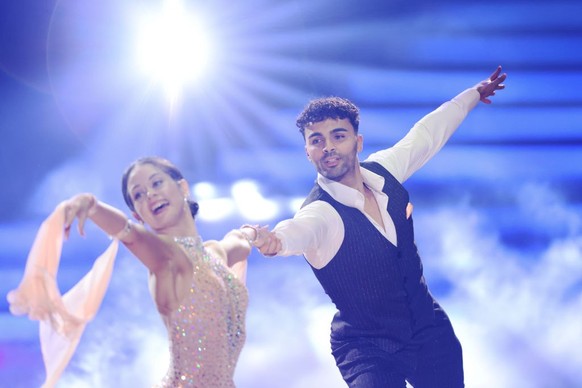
pixel 468 99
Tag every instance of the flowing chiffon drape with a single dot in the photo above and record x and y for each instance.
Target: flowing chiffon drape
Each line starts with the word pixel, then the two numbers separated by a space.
pixel 62 318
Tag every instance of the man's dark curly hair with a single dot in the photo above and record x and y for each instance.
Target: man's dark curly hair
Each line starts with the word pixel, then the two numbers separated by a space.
pixel 325 108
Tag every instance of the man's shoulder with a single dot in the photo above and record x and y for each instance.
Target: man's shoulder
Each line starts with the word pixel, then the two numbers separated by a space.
pixel 317 193
pixel 375 167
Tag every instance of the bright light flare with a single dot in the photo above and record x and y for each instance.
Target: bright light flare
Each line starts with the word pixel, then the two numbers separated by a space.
pixel 172 47
pixel 251 203
pixel 216 209
pixel 295 204
pixel 204 190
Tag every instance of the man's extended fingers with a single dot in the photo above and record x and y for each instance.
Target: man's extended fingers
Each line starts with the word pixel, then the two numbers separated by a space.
pixel 495 74
pixel 498 81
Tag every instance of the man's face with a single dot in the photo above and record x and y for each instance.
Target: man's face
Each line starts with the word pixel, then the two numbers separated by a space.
pixel 332 146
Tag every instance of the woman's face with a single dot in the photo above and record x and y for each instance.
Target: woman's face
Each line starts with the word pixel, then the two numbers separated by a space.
pixel 158 199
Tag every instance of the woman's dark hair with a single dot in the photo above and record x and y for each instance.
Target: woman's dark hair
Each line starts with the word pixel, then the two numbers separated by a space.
pixel 164 165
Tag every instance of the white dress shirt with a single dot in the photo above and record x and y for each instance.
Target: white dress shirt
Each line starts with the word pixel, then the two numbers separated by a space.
pixel 317 230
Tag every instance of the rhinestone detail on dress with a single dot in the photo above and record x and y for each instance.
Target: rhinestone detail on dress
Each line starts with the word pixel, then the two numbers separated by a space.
pixel 207 331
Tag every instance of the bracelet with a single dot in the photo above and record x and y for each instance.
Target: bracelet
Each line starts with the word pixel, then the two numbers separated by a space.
pixel 249 240
pixel 124 232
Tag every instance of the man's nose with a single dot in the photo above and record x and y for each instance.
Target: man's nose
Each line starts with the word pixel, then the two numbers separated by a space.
pixel 329 146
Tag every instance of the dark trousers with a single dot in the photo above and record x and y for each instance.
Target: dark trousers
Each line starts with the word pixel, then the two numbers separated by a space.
pixel 431 359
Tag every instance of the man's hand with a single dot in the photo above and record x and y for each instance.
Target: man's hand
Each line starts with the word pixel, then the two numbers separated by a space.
pixel 267 242
pixel 488 87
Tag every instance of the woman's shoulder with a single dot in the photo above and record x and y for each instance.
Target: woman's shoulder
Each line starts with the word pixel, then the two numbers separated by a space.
pixel 215 249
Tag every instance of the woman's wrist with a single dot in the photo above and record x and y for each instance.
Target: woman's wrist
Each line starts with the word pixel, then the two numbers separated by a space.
pixel 252 236
pixel 123 233
pixel 92 208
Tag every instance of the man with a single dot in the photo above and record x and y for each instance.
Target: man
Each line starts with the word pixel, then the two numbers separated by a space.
pixel 355 229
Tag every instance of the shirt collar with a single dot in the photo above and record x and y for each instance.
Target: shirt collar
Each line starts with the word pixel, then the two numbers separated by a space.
pixel 345 194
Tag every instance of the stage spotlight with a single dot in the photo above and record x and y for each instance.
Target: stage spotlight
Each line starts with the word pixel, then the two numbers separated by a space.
pixel 173 47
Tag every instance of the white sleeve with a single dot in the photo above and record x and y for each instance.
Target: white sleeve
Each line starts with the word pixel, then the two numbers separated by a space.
pixel 316 231
pixel 426 137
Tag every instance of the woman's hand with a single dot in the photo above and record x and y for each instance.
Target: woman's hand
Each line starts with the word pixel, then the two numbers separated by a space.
pixel 80 206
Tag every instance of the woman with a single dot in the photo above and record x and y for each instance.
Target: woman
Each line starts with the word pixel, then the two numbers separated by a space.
pixel 198 287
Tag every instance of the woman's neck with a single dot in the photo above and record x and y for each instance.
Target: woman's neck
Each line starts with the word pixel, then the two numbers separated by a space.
pixel 185 228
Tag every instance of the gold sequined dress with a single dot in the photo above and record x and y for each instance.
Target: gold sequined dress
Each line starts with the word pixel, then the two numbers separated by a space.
pixel 207 331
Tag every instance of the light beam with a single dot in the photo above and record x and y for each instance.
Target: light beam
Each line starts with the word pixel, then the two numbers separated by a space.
pixel 173 47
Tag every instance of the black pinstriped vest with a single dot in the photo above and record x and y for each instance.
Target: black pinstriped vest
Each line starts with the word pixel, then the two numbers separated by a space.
pixel 378 288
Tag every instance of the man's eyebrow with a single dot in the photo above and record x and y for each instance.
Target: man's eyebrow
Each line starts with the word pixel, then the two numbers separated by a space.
pixel 339 129
pixel 335 130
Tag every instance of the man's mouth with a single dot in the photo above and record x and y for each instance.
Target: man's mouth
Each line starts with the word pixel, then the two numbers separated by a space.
pixel 331 161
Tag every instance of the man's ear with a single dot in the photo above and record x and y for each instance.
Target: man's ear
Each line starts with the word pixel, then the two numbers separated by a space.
pixel 360 140
pixel 307 154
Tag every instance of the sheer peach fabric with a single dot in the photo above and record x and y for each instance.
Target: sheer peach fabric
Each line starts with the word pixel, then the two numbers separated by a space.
pixel 62 317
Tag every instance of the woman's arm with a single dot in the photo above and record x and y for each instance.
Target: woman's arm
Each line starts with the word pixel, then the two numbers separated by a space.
pixel 154 251
pixel 237 245
pixel 166 261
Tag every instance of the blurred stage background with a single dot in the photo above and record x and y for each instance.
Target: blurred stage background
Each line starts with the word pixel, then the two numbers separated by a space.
pixel 498 211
